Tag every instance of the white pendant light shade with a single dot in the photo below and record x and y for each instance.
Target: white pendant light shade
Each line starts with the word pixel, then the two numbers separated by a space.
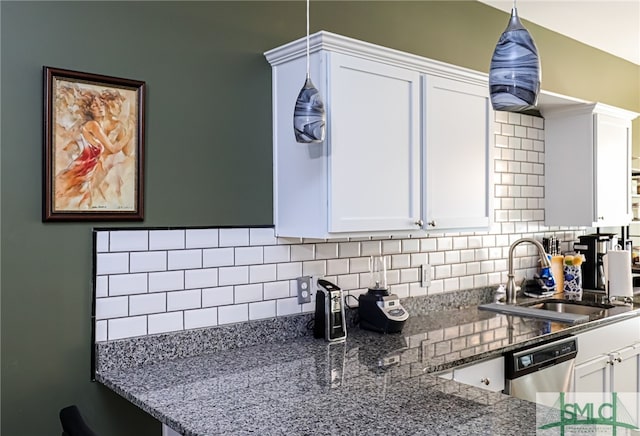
pixel 309 116
pixel 514 74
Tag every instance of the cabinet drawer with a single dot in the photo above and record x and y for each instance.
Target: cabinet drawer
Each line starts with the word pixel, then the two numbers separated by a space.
pixel 488 374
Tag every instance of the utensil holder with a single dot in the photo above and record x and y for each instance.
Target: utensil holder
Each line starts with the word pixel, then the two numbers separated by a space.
pixel 572 283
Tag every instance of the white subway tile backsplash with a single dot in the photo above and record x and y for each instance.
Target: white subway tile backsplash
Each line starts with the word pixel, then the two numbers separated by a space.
pixel 302 252
pixel 147 261
pixel 285 271
pixel 218 257
pixel 101 331
pixel 314 268
pixel 262 236
pixel 232 314
pixel 219 296
pixel 392 246
pixel 147 303
pixel 202 278
pixel 274 290
pixel 277 253
pixel 127 284
pixel 166 281
pixel 458 270
pixel 371 248
pixel 418 259
pixel 132 326
pixel 401 290
pixel 410 245
pixel 399 261
pixel 200 318
pixel 181 300
pixel 233 275
pixel 436 258
pixel 443 271
pixel 262 310
pixel 102 286
pixel 428 244
pixel 129 240
pixel 409 275
pixel 262 273
pixel 112 263
pixel 234 237
pixel 348 249
pixel 185 259
pixel 166 239
pixel 102 242
pixel 166 322
pixel 247 293
pixel 248 255
pixel 112 307
pixel 348 281
pixel 201 238
pixel 327 251
pixel 337 266
pixel 287 306
pixel 452 257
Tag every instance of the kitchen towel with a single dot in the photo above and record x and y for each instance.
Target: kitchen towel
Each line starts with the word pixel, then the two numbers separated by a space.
pixel 617 267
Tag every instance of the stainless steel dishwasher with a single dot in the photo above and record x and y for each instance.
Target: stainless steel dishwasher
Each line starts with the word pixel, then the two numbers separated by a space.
pixel 544 367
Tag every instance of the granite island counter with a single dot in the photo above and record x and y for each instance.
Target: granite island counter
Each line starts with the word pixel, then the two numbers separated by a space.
pixel 371 384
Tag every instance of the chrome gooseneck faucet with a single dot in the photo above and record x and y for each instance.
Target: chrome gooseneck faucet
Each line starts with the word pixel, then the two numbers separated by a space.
pixel 511 284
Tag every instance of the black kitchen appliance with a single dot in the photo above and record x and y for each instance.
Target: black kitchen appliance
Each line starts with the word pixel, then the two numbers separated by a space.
pixel 329 321
pixel 593 247
pixel 379 310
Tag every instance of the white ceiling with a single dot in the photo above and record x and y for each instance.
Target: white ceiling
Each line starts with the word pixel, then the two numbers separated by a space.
pixel 609 25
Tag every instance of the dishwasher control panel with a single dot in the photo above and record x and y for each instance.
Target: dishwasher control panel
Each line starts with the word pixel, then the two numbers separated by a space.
pixel 525 361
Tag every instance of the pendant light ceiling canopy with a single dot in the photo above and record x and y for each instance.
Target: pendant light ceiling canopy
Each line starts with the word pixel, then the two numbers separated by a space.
pixel 309 116
pixel 514 74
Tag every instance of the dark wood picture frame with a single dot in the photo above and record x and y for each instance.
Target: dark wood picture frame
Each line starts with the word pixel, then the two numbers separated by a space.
pixel 93 155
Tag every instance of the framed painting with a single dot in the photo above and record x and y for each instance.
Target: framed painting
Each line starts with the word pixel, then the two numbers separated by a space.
pixel 93 147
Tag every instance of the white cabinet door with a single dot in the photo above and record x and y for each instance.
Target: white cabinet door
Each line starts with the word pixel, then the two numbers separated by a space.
pixel 593 375
pixel 374 145
pixel 613 163
pixel 458 144
pixel 626 369
pixel 488 374
pixel 587 166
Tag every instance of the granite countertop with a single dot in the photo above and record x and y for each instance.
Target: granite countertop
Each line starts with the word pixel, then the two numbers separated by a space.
pixel 371 384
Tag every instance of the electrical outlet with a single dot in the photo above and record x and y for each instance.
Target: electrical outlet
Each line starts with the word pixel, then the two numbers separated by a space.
pixel 425 275
pixel 305 284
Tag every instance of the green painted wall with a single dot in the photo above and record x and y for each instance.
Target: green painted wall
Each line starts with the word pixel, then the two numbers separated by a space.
pixel 208 148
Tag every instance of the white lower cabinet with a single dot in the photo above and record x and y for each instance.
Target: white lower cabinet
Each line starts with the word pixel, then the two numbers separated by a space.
pixel 487 374
pixel 606 365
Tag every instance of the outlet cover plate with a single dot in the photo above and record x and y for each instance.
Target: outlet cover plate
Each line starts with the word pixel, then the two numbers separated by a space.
pixel 304 289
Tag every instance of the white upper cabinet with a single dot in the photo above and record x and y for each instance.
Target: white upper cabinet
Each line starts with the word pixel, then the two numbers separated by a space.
pixel 587 166
pixel 458 158
pixel 364 179
pixel 373 146
pixel 371 174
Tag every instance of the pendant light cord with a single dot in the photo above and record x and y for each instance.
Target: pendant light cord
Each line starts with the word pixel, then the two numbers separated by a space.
pixel 308 39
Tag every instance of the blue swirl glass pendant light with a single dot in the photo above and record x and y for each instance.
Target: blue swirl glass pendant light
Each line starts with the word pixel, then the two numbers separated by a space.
pixel 514 75
pixel 309 116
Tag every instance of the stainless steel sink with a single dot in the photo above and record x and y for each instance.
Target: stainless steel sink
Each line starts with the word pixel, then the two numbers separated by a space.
pixel 565 311
pixel 566 306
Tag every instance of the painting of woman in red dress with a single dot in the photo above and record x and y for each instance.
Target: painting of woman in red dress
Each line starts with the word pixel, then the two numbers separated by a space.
pixel 94 164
